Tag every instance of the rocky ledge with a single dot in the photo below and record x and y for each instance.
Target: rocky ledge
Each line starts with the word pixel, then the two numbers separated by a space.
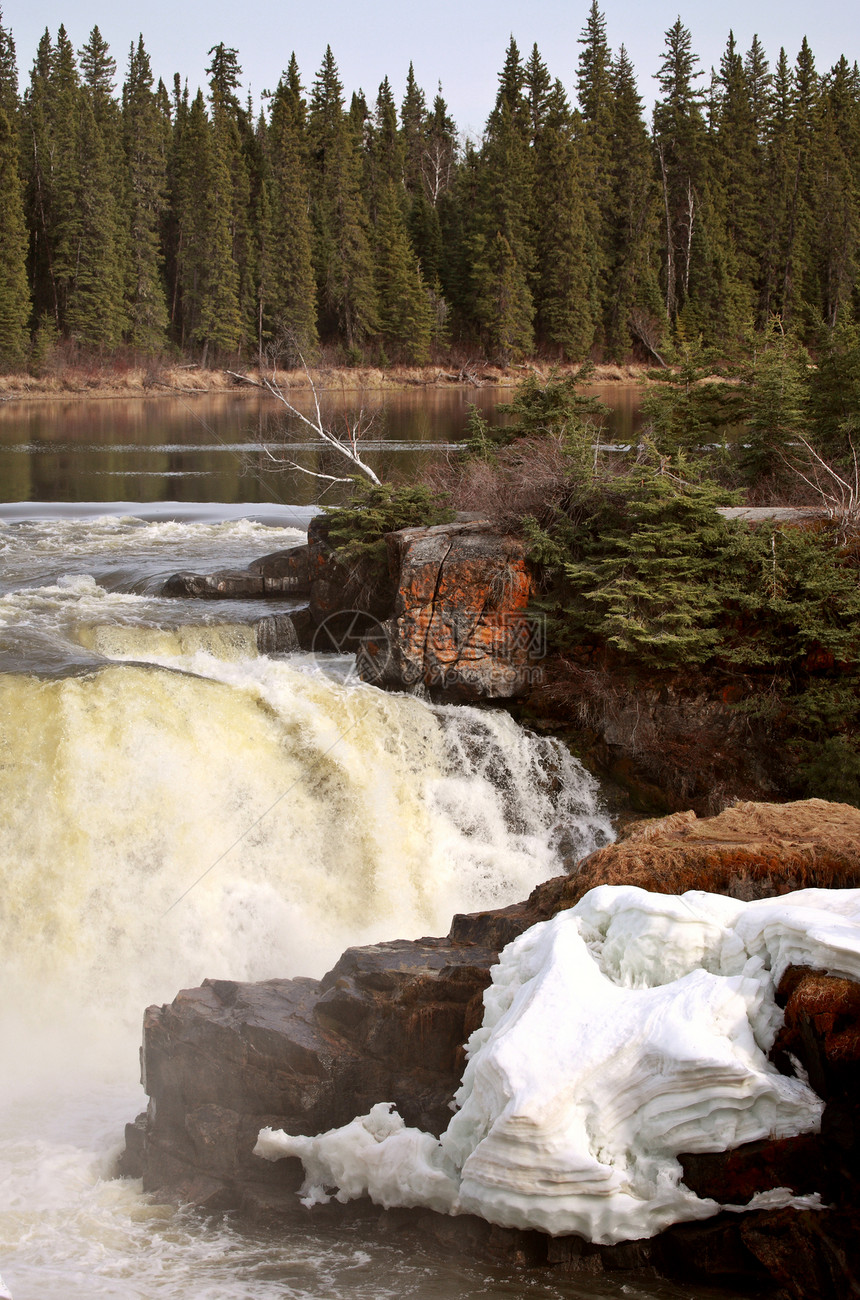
pixel 388 1023
pixel 449 617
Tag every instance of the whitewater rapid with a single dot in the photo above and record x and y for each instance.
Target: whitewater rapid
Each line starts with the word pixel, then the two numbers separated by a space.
pixel 176 806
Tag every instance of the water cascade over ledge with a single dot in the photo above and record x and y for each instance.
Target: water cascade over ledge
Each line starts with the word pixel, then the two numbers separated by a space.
pixel 176 806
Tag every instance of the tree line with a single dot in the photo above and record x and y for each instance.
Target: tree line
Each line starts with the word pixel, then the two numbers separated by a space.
pixel 147 218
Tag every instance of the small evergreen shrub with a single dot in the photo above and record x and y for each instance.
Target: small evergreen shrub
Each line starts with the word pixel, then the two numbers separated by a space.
pixel 356 531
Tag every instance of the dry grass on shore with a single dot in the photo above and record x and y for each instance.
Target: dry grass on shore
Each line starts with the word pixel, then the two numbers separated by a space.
pixel 103 380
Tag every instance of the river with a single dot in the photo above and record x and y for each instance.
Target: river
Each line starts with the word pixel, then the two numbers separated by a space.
pixel 177 806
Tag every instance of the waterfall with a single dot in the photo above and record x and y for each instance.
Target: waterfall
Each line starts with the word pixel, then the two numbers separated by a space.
pixel 167 821
pixel 174 805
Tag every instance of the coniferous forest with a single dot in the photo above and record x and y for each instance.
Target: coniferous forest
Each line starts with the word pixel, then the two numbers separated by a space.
pixel 137 215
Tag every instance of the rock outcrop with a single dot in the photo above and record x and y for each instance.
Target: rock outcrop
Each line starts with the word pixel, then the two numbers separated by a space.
pixel 449 616
pixel 460 627
pixel 389 1021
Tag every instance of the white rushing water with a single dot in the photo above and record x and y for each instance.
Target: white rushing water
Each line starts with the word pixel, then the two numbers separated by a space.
pixel 176 806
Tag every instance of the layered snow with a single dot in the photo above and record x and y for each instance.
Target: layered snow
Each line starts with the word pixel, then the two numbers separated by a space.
pixel 616 1036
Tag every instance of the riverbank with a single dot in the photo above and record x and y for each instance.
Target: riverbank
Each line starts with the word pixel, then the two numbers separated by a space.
pixel 94 380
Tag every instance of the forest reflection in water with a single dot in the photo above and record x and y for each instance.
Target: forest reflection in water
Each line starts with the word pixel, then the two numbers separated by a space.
pixel 217 447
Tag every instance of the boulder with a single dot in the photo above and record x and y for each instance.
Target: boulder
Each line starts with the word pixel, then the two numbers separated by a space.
pixel 221 1061
pixel 225 584
pixel 284 572
pixel 459 628
pixel 277 635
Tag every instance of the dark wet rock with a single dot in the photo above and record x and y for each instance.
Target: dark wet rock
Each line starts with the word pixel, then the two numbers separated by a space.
pixel 221 1061
pixel 236 584
pixel 277 635
pixel 284 572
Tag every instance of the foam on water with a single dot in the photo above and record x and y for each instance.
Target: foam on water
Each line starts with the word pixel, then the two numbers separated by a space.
pixel 34 552
pixel 171 815
pixel 126 786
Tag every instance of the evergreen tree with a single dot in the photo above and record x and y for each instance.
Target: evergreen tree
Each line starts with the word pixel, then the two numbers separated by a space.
pixel 502 250
pixel 834 385
pixel 342 255
pixel 779 186
pixel 646 574
pixel 14 296
pixel 562 289
pixel 92 276
pixel 632 303
pixel 439 157
pixel 220 313
pixel 835 215
pixel 405 312
pixel 413 111
pixel 595 131
pixel 8 75
pixel 146 170
pixel 51 114
pixel 680 140
pixel 776 391
pixel 738 162
pixel 594 76
pixel 293 293
pixel 795 120
pixel 190 170
pixel 538 86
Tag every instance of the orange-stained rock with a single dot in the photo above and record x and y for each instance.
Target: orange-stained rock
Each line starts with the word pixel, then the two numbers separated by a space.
pixel 460 627
pixel 751 850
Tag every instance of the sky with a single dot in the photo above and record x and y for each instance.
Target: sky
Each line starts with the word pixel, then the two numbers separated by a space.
pixel 461 43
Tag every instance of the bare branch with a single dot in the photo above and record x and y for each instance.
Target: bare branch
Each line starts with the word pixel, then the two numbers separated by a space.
pixel 346 444
pixel 839 495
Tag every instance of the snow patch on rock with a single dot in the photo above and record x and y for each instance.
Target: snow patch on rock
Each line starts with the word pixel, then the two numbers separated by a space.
pixel 627 1030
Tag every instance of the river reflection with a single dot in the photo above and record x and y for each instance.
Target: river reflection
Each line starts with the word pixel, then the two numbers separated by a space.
pixel 219 447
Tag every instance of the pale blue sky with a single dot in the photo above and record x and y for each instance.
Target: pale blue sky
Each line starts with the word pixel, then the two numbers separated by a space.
pixel 460 43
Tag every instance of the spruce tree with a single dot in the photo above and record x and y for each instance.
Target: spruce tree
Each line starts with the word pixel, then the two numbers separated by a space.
pixel 738 163
pixel 146 171
pixel 779 185
pixel 796 237
pixel 190 172
pixel 596 151
pixel 835 246
pixel 413 110
pixel 562 281
pixel 502 242
pixel 342 254
pixel 220 315
pixel 834 385
pixel 633 309
pixel 680 141
pixel 776 394
pixel 92 276
pixel 9 101
pixel 14 295
pixel 405 311
pixel 293 291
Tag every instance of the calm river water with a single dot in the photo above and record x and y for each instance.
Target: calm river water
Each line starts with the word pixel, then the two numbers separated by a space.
pixel 214 448
pixel 140 738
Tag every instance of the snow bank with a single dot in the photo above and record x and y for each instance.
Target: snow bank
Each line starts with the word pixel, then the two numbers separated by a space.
pixel 622 1032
